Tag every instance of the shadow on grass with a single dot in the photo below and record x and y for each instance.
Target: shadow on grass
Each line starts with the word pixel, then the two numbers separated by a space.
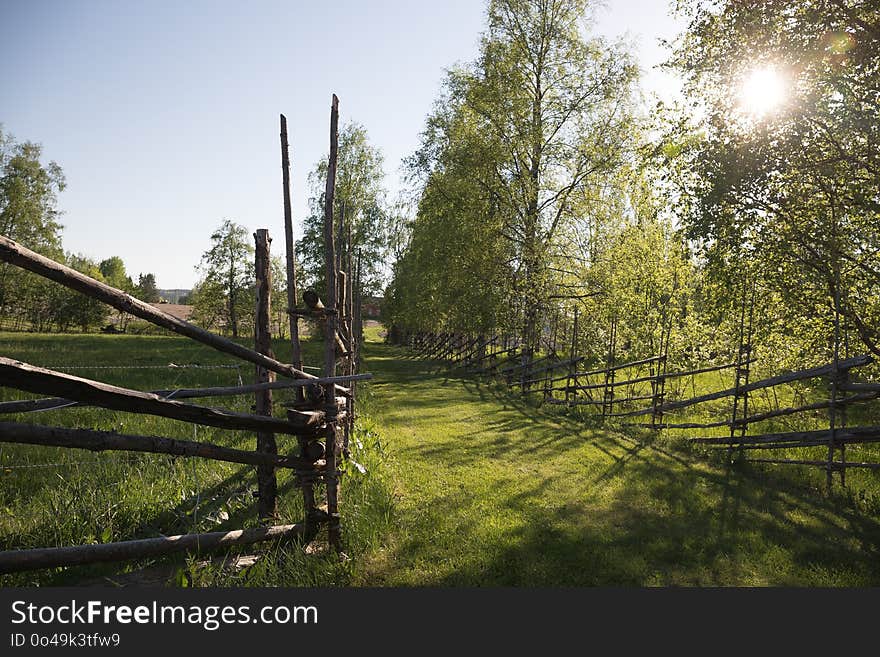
pixel 664 526
pixel 533 497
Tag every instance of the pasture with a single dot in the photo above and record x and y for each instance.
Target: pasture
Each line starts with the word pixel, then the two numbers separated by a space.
pixel 466 484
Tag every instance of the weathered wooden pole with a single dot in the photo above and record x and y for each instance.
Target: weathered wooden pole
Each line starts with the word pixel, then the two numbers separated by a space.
pixel 608 391
pixel 102 441
pixel 295 349
pixel 835 381
pixel 342 320
pixel 358 315
pixel 356 339
pixel 15 374
pixel 308 490
pixel 19 560
pixel 332 445
pixel 348 305
pixel 339 235
pixel 32 405
pixel 349 299
pixel 267 485
pixel 573 354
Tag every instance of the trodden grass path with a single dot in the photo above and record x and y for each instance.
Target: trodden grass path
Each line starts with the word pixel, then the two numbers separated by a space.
pixel 493 491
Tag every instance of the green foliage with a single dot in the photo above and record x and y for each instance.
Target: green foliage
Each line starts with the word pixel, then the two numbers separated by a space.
pixel 28 198
pixel 113 271
pixel 454 270
pixel 28 215
pixel 359 200
pixel 71 308
pixel 279 319
pixel 642 281
pixel 224 297
pixel 790 197
pixel 146 289
pixel 517 147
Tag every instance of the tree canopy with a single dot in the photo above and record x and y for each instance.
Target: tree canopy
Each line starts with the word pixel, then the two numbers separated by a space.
pixel 223 297
pixel 512 164
pixel 792 195
pixel 360 206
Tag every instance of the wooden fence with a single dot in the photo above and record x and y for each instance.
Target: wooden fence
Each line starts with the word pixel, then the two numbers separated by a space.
pixel 641 388
pixel 321 417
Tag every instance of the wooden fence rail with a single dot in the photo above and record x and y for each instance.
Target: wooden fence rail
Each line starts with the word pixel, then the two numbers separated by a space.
pixel 48 403
pixel 788 377
pixel 15 374
pixel 99 441
pixel 835 437
pixel 16 254
pixel 32 559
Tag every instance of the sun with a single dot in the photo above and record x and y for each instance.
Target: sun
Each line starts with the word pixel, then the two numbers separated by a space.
pixel 763 91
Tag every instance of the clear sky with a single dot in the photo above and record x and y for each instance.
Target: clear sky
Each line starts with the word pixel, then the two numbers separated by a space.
pixel 164 115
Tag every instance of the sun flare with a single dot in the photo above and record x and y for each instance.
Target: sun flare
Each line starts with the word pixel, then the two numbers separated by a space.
pixel 763 91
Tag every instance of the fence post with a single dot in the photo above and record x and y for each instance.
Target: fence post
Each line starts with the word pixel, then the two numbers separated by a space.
pixel 267 486
pixel 835 389
pixel 332 449
pixel 296 352
pixel 308 490
pixel 608 390
pixel 572 368
pixel 358 317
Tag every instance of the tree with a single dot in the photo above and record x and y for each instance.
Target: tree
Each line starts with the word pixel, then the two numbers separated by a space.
pixel 513 151
pixel 279 296
pixel 113 271
pixel 29 215
pixel 72 308
pixel 453 268
pixel 360 201
pixel 556 106
pixel 146 289
pixel 28 195
pixel 225 292
pixel 791 196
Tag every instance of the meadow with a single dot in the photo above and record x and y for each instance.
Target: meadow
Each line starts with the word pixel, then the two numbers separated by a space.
pixel 55 497
pixel 466 484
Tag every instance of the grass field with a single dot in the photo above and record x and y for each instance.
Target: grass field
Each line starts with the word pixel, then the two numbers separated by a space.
pixel 493 491
pixel 466 484
pixel 51 496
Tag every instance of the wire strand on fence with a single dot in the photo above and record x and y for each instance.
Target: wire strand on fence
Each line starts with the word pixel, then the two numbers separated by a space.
pixel 170 366
pixel 64 464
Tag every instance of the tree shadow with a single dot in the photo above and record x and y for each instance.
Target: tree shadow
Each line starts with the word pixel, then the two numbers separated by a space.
pixel 577 504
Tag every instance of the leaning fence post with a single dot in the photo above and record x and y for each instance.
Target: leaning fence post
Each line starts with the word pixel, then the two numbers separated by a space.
pixel 296 352
pixel 267 485
pixel 308 490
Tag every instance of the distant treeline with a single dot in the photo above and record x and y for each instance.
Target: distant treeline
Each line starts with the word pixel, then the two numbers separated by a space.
pixel 29 215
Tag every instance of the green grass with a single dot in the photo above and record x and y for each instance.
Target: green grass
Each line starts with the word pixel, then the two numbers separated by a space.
pixel 56 497
pixel 492 490
pixel 466 485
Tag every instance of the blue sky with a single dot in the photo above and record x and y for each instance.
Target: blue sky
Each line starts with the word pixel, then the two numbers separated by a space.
pixel 164 115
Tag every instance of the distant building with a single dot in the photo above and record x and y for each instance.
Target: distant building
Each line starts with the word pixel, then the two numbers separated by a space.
pixel 177 310
pixel 371 307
